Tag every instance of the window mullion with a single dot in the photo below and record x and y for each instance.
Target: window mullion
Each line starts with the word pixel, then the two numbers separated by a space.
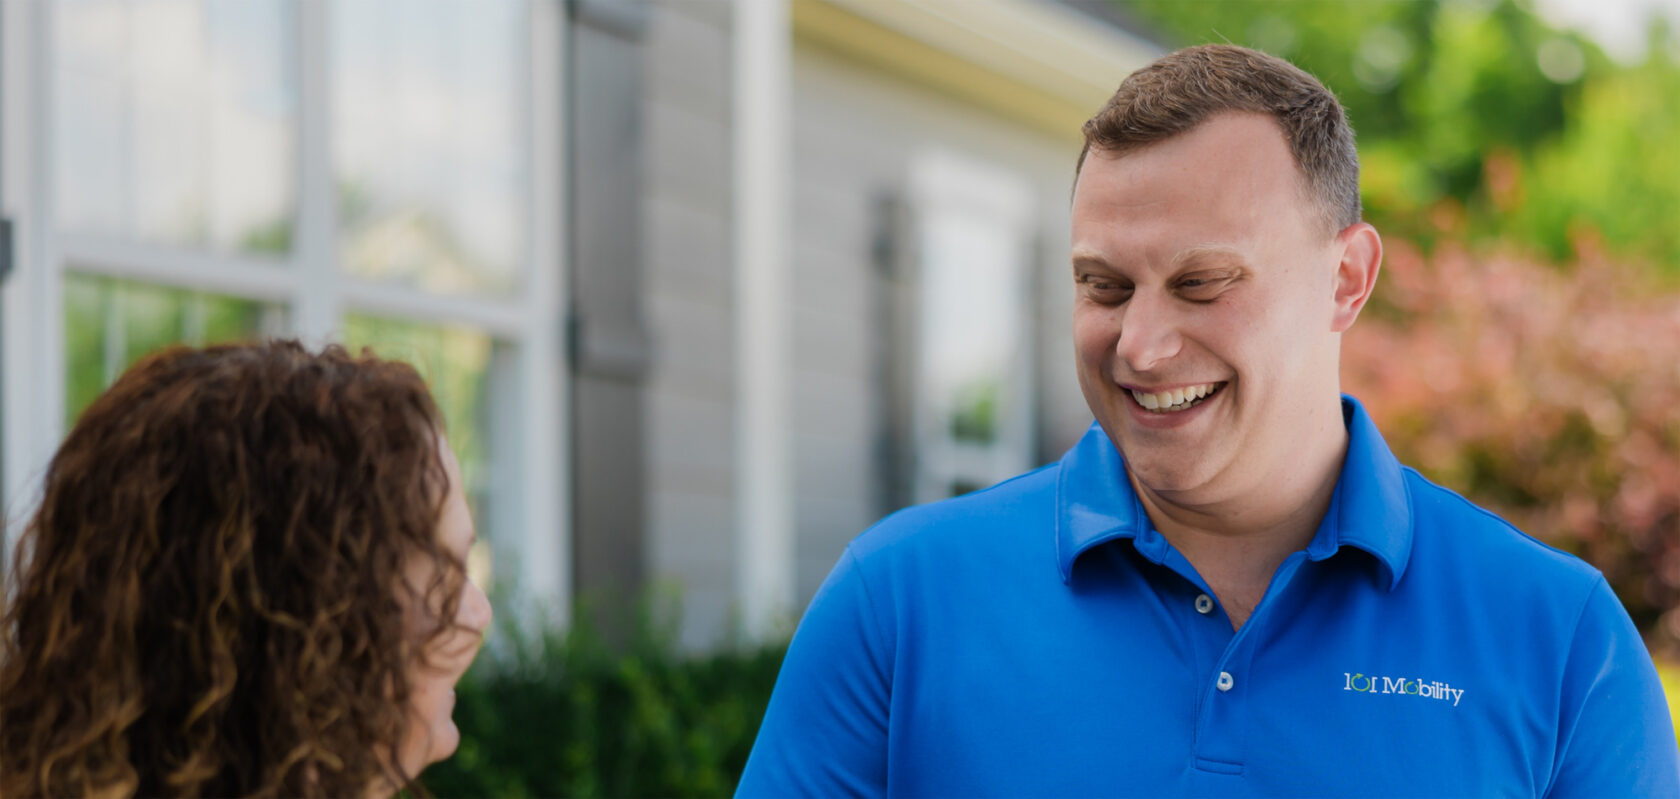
pixel 31 307
pixel 116 332
pixel 534 453
pixel 317 296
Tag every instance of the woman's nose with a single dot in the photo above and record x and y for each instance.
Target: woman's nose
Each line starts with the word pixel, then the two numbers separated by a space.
pixel 476 612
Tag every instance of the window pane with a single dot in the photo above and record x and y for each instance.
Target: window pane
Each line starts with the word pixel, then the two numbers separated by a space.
pixel 972 323
pixel 972 403
pixel 456 363
pixel 429 155
pixel 109 324
pixel 175 121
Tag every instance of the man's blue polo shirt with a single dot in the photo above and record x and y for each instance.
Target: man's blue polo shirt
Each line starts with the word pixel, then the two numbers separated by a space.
pixel 1041 638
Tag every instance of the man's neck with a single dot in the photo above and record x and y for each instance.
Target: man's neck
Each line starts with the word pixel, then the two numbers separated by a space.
pixel 1237 543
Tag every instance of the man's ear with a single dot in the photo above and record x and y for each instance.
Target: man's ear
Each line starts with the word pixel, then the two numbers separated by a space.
pixel 1356 274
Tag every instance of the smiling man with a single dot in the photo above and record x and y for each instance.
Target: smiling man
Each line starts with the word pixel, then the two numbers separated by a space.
pixel 1229 587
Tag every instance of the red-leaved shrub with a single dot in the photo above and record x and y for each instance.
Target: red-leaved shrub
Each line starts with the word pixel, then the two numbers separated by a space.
pixel 1551 396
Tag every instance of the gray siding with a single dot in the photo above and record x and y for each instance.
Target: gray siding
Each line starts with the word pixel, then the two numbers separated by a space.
pixel 686 209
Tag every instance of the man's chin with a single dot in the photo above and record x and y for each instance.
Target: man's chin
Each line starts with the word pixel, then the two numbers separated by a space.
pixel 1167 476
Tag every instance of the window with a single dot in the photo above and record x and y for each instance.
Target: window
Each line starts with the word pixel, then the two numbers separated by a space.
pixel 378 172
pixel 109 323
pixel 971 377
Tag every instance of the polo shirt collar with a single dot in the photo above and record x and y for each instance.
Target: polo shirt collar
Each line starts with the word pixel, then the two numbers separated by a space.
pixel 1369 510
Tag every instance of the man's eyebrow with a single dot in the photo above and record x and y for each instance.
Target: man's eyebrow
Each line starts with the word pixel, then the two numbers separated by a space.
pixel 1082 257
pixel 1209 253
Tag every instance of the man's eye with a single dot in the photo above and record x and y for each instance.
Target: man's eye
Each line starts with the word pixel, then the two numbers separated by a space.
pixel 1202 288
pixel 1104 290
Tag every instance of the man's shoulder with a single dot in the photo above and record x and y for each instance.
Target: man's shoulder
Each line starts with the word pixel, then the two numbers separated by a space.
pixel 1446 524
pixel 1003 511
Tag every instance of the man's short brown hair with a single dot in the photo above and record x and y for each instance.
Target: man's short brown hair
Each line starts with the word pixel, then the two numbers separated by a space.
pixel 1182 89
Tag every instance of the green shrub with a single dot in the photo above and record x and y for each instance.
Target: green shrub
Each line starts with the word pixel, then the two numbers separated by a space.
pixel 567 714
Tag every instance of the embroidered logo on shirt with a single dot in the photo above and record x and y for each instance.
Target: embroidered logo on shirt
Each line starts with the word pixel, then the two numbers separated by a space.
pixel 1359 682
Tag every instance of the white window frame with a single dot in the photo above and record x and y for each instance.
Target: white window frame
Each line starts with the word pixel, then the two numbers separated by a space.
pixel 949 184
pixel 528 473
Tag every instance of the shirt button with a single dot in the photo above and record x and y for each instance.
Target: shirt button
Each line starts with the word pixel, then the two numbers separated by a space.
pixel 1204 604
pixel 1225 681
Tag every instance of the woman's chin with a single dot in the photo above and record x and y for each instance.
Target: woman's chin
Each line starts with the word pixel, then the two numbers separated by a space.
pixel 431 744
pixel 445 740
pixel 442 739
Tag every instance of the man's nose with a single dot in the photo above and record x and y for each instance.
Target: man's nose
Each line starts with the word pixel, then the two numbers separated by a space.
pixel 1149 333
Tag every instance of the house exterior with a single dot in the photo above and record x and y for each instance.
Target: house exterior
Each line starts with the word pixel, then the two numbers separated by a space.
pixel 704 287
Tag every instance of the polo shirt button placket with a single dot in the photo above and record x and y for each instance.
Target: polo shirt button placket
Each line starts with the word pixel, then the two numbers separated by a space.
pixel 1204 604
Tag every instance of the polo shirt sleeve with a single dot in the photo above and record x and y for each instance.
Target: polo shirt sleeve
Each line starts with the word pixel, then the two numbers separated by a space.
pixel 1615 737
pixel 825 731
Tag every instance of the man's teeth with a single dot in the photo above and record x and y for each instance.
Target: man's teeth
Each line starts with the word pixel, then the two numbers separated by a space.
pixel 1177 399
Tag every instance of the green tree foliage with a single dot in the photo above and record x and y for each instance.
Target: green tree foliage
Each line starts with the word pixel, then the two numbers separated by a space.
pixel 1477 120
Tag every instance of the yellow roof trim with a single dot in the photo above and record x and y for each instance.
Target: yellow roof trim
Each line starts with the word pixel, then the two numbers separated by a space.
pixel 1041 64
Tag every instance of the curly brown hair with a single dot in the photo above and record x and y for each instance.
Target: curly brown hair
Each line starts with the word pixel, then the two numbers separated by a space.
pixel 207 600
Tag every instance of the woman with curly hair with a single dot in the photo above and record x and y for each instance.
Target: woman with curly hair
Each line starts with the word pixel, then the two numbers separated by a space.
pixel 246 578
